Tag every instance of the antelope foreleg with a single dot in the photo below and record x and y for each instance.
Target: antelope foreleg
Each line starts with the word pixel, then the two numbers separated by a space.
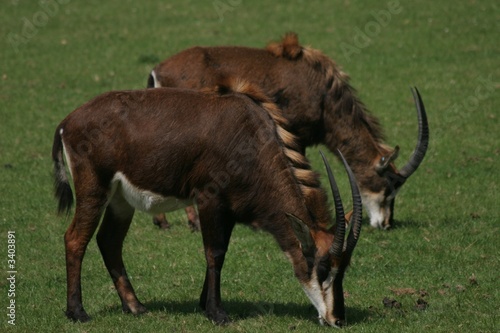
pixel 193 218
pixel 160 220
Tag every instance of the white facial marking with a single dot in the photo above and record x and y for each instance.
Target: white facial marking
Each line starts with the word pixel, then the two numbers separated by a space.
pixel 372 203
pixel 144 200
pixel 315 294
pixel 321 298
pixel 328 282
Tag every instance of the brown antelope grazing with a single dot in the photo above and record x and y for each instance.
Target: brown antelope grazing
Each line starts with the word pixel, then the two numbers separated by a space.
pixel 319 104
pixel 227 150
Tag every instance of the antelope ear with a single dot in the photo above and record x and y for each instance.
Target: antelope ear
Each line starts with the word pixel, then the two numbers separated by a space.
pixel 386 160
pixel 302 233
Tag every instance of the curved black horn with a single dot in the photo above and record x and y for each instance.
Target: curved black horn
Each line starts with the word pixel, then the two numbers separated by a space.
pixel 357 208
pixel 423 138
pixel 338 242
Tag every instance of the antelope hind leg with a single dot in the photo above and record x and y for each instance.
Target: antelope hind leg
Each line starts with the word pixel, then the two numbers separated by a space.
pixel 110 238
pixel 216 228
pixel 76 239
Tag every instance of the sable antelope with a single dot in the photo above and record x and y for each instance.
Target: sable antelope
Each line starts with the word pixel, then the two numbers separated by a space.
pixel 319 104
pixel 228 151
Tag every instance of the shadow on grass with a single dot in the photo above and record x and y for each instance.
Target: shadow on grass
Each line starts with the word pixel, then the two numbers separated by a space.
pixel 396 224
pixel 242 310
pixel 406 224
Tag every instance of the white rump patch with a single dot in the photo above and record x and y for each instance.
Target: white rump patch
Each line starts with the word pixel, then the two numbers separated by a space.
pixel 144 200
pixel 66 156
pixel 157 84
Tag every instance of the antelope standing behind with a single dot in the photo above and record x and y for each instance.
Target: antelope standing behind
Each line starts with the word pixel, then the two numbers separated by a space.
pixel 153 149
pixel 319 104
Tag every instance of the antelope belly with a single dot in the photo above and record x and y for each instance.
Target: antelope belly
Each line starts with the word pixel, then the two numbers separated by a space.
pixel 145 200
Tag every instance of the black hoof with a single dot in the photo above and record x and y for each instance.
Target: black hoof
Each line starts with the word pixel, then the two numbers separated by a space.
pixel 137 310
pixel 161 223
pixel 79 316
pixel 194 226
pixel 218 317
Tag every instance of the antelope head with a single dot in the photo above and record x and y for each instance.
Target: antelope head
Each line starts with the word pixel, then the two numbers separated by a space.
pixel 379 200
pixel 327 254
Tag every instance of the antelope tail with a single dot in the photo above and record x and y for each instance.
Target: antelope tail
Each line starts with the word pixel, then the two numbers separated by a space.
pixel 62 188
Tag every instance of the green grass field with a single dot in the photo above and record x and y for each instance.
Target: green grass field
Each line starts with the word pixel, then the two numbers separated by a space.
pixel 444 248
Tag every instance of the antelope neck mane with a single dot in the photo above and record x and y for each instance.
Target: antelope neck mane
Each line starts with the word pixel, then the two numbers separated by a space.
pixel 306 179
pixel 344 100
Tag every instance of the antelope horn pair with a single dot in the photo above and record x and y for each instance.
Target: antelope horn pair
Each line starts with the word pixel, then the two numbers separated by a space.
pixel 340 223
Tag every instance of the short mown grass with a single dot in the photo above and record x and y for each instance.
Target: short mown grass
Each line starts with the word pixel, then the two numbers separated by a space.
pixel 442 253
